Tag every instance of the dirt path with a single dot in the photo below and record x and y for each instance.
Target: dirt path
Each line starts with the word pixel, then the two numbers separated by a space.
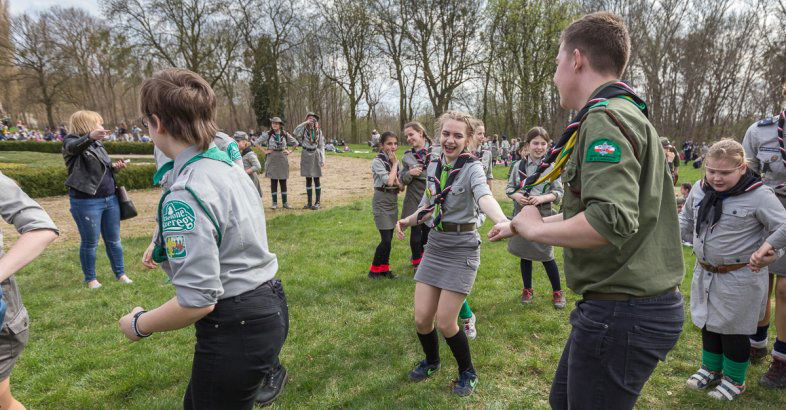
pixel 345 180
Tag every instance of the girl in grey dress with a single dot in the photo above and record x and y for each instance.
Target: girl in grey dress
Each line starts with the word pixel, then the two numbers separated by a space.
pixel 312 159
pixel 456 191
pixel 536 143
pixel 385 169
pixel 727 216
pixel 413 175
pixel 277 141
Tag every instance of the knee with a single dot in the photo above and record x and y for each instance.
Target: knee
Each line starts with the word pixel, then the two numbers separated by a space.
pixel 780 290
pixel 447 325
pixel 423 323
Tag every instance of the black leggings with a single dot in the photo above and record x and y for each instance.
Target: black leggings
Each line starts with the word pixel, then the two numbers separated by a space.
pixel 308 181
pixel 282 182
pixel 382 254
pixel 551 270
pixel 735 347
pixel 417 240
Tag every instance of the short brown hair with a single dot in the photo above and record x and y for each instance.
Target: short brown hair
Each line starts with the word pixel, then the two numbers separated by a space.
pixel 604 38
pixel 535 132
pixel 183 102
pixel 82 122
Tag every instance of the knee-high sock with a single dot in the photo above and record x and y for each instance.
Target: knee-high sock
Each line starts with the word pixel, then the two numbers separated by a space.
pixel 308 190
pixel 430 343
pixel 460 347
pixel 283 183
pixel 318 189
pixel 274 190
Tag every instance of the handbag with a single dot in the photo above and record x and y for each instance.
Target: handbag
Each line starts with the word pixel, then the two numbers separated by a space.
pixel 127 208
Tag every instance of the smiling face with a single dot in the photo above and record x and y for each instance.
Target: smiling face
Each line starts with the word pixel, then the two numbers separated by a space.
pixel 538 147
pixel 480 134
pixel 453 138
pixel 723 174
pixel 414 138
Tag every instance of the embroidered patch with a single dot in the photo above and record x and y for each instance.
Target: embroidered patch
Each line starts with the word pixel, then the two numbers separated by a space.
pixel 175 247
pixel 603 150
pixel 177 216
pixel 233 151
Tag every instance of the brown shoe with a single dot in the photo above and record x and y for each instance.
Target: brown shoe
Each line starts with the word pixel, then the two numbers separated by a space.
pixel 526 296
pixel 559 299
pixel 775 378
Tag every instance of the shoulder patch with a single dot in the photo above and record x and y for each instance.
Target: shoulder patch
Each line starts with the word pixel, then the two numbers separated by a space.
pixel 233 151
pixel 175 246
pixel 767 121
pixel 603 150
pixel 177 216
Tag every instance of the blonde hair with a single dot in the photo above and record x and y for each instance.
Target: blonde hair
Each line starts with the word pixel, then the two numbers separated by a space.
pixel 727 149
pixel 464 117
pixel 83 121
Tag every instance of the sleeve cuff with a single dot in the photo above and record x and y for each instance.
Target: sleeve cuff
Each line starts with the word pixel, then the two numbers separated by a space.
pixel 194 298
pixel 777 239
pixel 604 223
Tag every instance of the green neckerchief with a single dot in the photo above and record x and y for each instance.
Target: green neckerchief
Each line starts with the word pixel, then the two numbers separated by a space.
pixel 277 136
pixel 213 153
pixel 443 178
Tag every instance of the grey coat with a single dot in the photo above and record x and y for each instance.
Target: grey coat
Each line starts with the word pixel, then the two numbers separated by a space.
pixel 733 302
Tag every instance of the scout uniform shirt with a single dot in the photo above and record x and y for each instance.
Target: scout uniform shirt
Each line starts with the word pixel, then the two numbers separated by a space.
pixel 461 205
pixel 26 215
pixel 625 190
pixel 221 140
pixel 213 239
pixel 380 174
pixel 764 154
pixel 732 302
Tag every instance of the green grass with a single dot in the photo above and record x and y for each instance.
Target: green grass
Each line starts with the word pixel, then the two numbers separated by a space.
pixel 365 152
pixel 19 159
pixel 351 342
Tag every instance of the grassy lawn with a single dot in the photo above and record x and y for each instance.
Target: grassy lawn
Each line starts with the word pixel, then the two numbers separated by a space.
pixel 351 343
pixel 364 151
pixel 26 159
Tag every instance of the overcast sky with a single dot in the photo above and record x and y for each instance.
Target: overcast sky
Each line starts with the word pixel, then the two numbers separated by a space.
pixel 21 6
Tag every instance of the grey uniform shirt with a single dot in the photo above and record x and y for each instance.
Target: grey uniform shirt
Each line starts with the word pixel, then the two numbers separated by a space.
pixel 319 146
pixel 277 144
pixel 250 160
pixel 26 215
pixel 380 173
pixel 747 221
pixel 409 161
pixel 461 205
pixel 201 270
pixel 763 153
pixel 221 140
pixel 544 188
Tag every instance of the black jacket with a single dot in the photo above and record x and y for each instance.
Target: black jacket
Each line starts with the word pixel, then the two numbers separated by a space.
pixel 87 162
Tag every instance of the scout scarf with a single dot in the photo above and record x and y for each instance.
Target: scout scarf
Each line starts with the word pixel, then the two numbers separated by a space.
pixel 522 173
pixel 421 156
pixel 312 133
pixel 385 160
pixel 781 120
pixel 277 136
pixel 713 200
pixel 439 190
pixel 563 149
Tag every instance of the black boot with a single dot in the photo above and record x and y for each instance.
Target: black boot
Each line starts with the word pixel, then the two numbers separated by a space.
pixel 272 386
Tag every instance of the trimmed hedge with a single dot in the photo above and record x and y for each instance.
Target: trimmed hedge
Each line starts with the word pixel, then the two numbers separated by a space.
pixel 50 181
pixel 113 148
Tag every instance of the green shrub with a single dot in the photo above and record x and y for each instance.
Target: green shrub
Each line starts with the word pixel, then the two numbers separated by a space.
pixel 50 181
pixel 113 148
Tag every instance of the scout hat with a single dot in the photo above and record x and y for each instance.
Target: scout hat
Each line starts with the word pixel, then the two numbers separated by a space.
pixel 240 136
pixel 665 142
pixel 278 120
pixel 312 114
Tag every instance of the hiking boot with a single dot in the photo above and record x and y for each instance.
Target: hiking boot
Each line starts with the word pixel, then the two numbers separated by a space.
pixel 286 206
pixel 703 378
pixel 274 206
pixel 758 353
pixel 423 371
pixel 559 299
pixel 469 327
pixel 465 384
pixel 775 378
pixel 272 386
pixel 526 296
pixel 727 390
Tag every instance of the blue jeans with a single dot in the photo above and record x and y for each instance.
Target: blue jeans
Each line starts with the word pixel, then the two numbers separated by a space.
pixel 94 217
pixel 612 350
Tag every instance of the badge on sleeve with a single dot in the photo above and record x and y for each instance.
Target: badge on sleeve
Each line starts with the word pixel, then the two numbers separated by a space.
pixel 177 216
pixel 603 150
pixel 175 246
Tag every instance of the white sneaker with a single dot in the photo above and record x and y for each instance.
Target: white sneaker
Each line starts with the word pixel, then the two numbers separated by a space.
pixel 125 279
pixel 469 327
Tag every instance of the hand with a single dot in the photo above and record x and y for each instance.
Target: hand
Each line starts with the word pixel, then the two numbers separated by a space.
pixel 119 164
pixel 520 199
pixel 98 134
pixel 500 231
pixel 426 217
pixel 764 256
pixel 401 226
pixel 416 171
pixel 125 324
pixel 392 157
pixel 147 257
pixel 537 200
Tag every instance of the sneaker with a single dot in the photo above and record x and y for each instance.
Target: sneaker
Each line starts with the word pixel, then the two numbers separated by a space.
pixel 423 371
pixel 286 206
pixel 465 384
pixel 274 206
pixel 272 386
pixel 125 279
pixel 727 390
pixel 559 299
pixel 307 206
pixel 526 296
pixel 93 284
pixel 469 327
pixel 316 206
pixel 775 378
pixel 703 378
pixel 758 353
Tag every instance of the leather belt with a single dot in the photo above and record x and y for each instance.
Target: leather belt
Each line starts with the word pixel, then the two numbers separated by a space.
pixel 622 297
pixel 381 189
pixel 449 227
pixel 722 268
pixel 310 149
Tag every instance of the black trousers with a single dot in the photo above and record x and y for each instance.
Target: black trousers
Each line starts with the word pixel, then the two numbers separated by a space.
pixel 237 344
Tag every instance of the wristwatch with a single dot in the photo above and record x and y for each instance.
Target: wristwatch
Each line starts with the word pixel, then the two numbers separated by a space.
pixel 134 325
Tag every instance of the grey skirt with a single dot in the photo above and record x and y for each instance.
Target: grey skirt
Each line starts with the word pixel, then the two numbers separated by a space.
pixel 385 207
pixel 450 261
pixel 533 251
pixel 309 164
pixel 413 196
pixel 276 165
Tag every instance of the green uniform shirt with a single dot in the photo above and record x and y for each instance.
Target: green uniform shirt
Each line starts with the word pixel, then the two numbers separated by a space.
pixel 629 201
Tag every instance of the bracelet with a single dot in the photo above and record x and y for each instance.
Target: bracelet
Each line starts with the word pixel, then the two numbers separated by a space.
pixel 134 325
